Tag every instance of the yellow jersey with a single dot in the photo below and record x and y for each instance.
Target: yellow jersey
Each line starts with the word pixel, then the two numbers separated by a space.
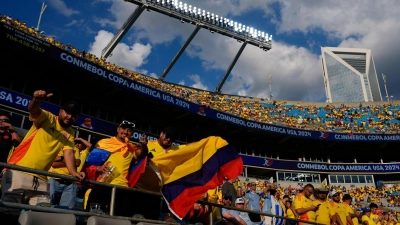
pixel 83 155
pixel 64 170
pixel 350 211
pixel 324 213
pixel 301 202
pixel 340 209
pixel 44 140
pixel 366 218
pixel 119 158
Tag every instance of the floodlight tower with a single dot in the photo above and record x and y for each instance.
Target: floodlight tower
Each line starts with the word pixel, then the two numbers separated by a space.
pixel 201 19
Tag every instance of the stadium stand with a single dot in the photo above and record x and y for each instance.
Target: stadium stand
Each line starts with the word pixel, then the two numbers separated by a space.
pixel 340 118
pixel 351 118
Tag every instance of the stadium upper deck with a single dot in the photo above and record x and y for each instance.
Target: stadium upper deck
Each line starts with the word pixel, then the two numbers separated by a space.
pixel 35 63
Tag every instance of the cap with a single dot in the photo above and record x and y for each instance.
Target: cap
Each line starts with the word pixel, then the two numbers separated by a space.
pixel 170 132
pixel 72 108
pixel 127 124
pixel 228 197
pixel 322 190
pixel 366 209
pixel 239 201
pixel 347 197
pixel 333 192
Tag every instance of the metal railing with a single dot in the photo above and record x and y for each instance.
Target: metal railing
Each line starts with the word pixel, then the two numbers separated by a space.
pixel 112 203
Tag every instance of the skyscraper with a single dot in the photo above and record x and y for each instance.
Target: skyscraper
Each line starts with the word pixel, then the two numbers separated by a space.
pixel 350 75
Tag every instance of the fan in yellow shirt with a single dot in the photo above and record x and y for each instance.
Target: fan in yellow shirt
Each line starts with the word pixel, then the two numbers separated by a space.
pixel 122 153
pixel 304 204
pixel 48 135
pixel 338 208
pixel 366 220
pixel 374 213
pixel 324 213
pixel 352 217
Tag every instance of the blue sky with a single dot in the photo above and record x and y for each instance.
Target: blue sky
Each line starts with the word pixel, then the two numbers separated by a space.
pixel 299 28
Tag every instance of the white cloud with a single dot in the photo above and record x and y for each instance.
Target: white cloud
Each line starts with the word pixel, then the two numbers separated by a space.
pixel 62 8
pixel 153 75
pixel 130 57
pixel 197 82
pixel 75 23
pixel 339 18
pixel 296 71
pixel 182 82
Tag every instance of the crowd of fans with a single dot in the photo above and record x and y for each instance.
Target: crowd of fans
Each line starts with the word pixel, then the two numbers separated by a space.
pixel 359 199
pixel 385 196
pixel 343 119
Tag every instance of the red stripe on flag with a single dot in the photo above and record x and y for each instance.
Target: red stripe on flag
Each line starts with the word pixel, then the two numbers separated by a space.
pixel 182 204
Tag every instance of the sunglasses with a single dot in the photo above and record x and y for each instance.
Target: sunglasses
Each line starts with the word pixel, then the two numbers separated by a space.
pixel 127 123
pixel 5 120
pixel 335 195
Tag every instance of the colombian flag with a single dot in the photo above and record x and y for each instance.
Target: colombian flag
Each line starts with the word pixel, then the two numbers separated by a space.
pixel 135 171
pixel 194 169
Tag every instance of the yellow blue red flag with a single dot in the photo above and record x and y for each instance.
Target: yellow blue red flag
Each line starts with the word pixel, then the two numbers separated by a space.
pixel 194 169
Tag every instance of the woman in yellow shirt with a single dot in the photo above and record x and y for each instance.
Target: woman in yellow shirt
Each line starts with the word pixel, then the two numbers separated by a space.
pixel 290 213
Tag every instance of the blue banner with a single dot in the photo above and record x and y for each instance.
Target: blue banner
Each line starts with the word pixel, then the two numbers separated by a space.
pixel 20 101
pixel 102 73
pixel 278 164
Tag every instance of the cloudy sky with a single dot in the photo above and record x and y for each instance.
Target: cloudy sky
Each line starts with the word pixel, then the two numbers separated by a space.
pixel 299 28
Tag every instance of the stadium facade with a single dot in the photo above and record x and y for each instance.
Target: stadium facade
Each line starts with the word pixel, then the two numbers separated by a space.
pixel 349 75
pixel 285 154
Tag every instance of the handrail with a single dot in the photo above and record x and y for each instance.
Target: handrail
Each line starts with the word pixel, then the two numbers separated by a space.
pixel 71 178
pixel 77 213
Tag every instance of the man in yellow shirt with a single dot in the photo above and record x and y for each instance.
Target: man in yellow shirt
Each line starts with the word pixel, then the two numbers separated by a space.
pixel 366 220
pixel 122 153
pixel 324 213
pixel 352 217
pixel 304 204
pixel 338 208
pixel 150 179
pixel 48 136
pixel 374 214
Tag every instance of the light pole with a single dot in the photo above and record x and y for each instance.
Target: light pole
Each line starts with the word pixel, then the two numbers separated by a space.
pixel 384 83
pixel 40 15
pixel 270 89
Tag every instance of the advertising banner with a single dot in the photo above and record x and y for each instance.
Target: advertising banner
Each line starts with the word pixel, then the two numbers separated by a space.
pixel 279 164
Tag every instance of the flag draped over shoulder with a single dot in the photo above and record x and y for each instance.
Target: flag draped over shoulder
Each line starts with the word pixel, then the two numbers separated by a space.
pixel 194 169
pixel 277 210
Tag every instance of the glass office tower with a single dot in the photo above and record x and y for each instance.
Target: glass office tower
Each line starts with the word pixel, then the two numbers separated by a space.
pixel 349 75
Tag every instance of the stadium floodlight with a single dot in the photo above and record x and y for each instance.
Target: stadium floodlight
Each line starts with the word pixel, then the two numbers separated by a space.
pixel 208 20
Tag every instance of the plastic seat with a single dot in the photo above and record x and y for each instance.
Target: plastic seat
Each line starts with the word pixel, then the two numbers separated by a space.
pixel 40 218
pixel 96 220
